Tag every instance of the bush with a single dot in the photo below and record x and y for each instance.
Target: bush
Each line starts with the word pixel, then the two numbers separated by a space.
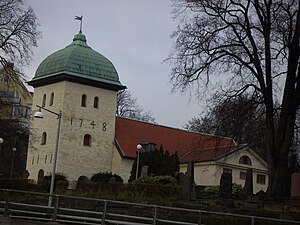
pixel 58 177
pixel 60 184
pixel 106 177
pixel 212 189
pixel 236 188
pixel 156 180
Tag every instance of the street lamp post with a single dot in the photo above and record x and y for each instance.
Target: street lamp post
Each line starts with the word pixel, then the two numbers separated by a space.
pixel 40 115
pixel 1 142
pixel 138 148
pixel 12 165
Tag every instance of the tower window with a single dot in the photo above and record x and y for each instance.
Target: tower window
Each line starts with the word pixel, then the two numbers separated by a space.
pixel 51 98
pixel 44 138
pixel 96 102
pixel 87 140
pixel 245 160
pixel 83 100
pixel 40 175
pixel 44 100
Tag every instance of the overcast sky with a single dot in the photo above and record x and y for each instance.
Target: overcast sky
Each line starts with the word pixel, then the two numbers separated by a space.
pixel 134 35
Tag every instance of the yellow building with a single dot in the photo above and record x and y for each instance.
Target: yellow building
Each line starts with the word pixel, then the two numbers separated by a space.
pixel 15 99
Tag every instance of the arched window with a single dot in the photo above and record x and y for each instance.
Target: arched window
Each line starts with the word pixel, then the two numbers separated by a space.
pixel 87 140
pixel 245 160
pixel 44 100
pixel 40 175
pixel 51 98
pixel 96 102
pixel 83 100
pixel 44 138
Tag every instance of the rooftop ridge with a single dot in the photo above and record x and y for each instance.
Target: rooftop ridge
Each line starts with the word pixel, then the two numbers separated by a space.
pixel 218 147
pixel 209 149
pixel 231 150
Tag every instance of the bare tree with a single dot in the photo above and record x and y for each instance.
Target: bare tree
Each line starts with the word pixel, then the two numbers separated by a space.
pixel 18 36
pixel 128 107
pixel 18 32
pixel 251 46
pixel 240 118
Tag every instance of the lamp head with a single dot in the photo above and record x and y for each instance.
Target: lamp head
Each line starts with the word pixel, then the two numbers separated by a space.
pixel 14 149
pixel 139 147
pixel 1 141
pixel 39 115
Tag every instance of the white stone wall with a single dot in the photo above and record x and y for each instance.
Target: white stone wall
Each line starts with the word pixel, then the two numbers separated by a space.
pixel 122 167
pixel 37 152
pixel 74 159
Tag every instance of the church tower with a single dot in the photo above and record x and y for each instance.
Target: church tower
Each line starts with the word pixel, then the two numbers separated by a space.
pixel 81 84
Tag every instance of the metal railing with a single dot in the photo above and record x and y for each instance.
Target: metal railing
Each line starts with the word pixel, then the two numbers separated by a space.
pixel 79 210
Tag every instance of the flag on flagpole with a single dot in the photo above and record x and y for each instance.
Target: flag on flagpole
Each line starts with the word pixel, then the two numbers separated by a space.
pixel 78 18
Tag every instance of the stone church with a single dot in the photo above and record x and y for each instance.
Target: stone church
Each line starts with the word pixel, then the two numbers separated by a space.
pixel 78 87
pixel 83 85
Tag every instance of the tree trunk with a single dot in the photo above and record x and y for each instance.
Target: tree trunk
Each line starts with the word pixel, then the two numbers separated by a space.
pixel 280 177
pixel 280 173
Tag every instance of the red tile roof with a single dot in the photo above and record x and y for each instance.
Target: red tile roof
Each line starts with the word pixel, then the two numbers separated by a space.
pixel 129 133
pixel 201 155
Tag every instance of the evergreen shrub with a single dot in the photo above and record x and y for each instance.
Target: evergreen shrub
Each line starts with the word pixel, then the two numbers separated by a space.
pixel 60 183
pixel 106 177
pixel 156 180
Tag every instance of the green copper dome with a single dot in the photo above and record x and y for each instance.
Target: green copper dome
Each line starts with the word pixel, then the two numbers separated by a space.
pixel 77 62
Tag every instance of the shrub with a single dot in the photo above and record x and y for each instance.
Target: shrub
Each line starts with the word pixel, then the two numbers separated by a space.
pixel 156 180
pixel 212 189
pixel 58 177
pixel 236 188
pixel 60 184
pixel 106 177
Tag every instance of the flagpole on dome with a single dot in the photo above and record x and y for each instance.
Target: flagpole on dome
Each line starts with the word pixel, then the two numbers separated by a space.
pixel 80 19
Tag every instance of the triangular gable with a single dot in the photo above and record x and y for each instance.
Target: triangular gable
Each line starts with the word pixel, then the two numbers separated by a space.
pixel 243 150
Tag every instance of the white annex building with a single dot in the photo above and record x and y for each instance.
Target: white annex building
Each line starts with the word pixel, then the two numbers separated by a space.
pixel 79 86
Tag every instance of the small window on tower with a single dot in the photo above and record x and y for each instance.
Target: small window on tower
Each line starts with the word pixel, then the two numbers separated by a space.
pixel 96 102
pixel 83 100
pixel 51 98
pixel 87 140
pixel 44 100
pixel 44 138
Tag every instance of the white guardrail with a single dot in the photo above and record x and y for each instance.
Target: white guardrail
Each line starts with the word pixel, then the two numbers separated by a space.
pixel 78 210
